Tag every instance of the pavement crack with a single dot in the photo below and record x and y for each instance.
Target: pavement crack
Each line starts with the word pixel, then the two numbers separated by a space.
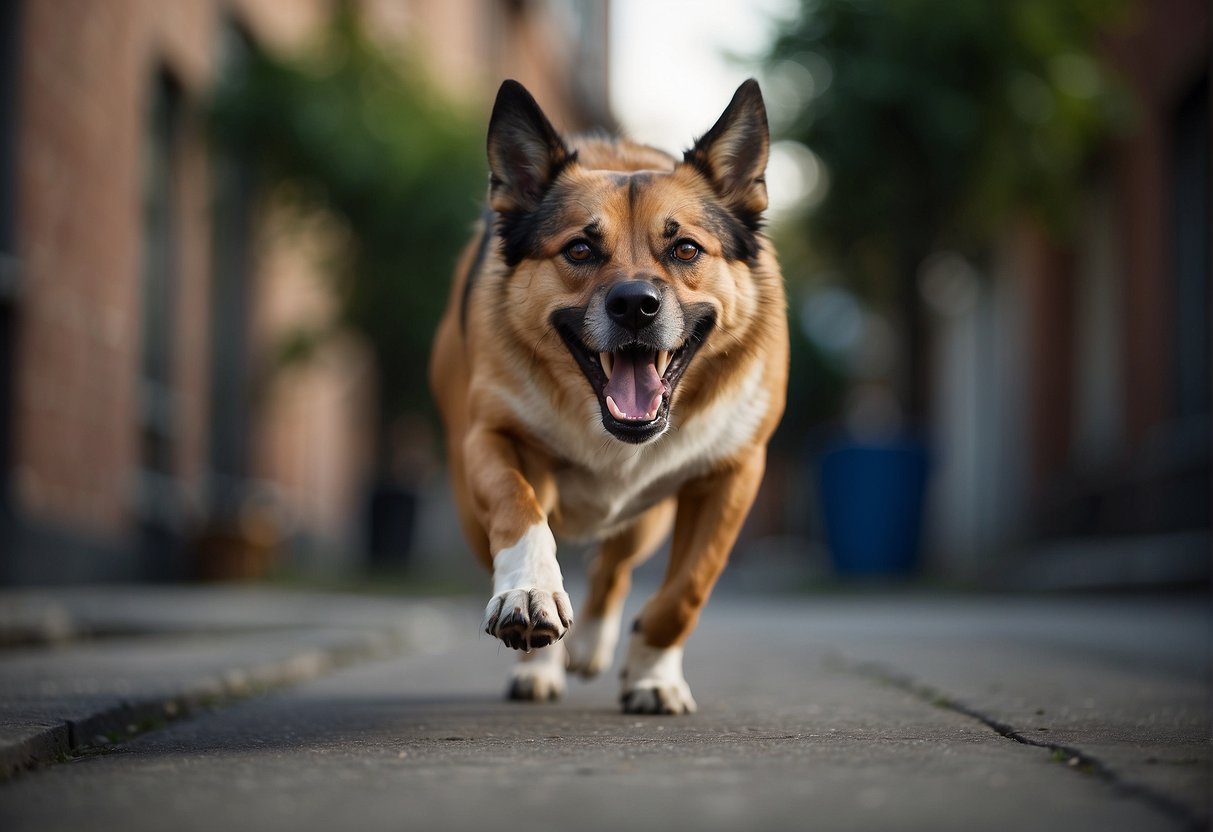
pixel 1074 758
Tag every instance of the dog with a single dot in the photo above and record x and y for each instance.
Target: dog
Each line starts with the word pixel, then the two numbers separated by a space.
pixel 610 366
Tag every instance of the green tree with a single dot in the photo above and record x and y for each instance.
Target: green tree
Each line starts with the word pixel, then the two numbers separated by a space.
pixel 938 121
pixel 359 133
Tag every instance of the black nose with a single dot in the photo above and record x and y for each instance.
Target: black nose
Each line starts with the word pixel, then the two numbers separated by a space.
pixel 633 304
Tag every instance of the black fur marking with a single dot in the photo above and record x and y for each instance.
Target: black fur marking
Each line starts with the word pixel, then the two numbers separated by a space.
pixel 635 625
pixel 698 159
pixel 521 233
pixel 638 182
pixel 738 235
pixel 482 252
pixel 671 229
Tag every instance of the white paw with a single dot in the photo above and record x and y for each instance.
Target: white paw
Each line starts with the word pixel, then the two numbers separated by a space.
pixel 529 608
pixel 526 619
pixel 591 644
pixel 539 676
pixel 653 682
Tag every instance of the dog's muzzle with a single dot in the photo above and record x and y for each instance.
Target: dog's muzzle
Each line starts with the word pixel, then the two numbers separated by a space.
pixel 633 345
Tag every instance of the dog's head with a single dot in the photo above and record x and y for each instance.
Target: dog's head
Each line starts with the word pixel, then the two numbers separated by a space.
pixel 644 265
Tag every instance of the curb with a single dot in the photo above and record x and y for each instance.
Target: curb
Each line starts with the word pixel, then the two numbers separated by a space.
pixel 110 726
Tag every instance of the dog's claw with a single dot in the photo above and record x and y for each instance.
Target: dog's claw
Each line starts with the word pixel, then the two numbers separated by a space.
pixel 491 615
pixel 537 618
pixel 563 609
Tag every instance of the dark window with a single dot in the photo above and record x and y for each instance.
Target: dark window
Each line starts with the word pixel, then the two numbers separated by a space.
pixel 1193 268
pixel 1193 276
pixel 230 284
pixel 158 499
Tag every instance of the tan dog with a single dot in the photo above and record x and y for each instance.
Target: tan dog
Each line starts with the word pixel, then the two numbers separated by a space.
pixel 611 364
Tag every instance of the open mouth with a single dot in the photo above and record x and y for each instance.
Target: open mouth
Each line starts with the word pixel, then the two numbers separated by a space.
pixel 635 382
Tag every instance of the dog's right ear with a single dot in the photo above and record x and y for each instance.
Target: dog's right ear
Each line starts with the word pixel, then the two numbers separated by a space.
pixel 526 154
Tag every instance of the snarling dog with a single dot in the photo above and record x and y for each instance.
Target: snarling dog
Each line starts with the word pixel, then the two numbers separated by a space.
pixel 610 366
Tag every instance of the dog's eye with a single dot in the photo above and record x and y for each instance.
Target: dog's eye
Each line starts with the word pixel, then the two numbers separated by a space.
pixel 686 251
pixel 579 251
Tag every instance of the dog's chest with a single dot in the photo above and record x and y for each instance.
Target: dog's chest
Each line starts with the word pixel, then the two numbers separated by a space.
pixel 605 484
pixel 593 502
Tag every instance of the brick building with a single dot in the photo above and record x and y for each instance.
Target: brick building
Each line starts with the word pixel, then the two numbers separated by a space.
pixel 1072 395
pixel 141 292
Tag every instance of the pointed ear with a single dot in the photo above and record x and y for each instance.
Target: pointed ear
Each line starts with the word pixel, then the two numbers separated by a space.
pixel 525 151
pixel 733 154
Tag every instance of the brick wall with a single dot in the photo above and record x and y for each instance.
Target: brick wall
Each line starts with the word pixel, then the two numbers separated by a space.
pixel 87 74
pixel 78 219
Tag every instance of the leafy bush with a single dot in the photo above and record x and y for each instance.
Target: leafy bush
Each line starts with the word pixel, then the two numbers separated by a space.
pixel 360 133
pixel 938 121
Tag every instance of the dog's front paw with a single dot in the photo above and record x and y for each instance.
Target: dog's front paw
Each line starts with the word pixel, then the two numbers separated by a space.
pixel 526 619
pixel 591 645
pixel 539 676
pixel 653 682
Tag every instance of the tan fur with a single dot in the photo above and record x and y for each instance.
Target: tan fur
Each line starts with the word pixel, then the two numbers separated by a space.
pixel 525 440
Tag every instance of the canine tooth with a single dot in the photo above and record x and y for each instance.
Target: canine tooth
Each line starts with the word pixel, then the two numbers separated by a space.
pixel 608 363
pixel 654 406
pixel 614 409
pixel 663 361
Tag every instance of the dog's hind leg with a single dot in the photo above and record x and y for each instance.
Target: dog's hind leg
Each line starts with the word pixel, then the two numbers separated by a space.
pixel 591 643
pixel 710 514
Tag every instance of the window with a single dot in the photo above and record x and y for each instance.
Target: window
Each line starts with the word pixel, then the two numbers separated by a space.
pixel 1190 241
pixel 158 498
pixel 233 182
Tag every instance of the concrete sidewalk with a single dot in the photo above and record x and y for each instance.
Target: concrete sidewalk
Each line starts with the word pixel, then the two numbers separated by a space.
pixel 840 712
pixel 88 667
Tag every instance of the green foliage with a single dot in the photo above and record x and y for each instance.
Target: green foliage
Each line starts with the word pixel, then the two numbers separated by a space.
pixel 359 133
pixel 939 120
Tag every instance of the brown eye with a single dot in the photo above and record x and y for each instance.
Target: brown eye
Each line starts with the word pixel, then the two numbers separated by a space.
pixel 686 251
pixel 579 251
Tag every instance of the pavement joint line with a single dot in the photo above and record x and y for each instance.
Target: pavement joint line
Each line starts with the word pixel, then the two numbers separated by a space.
pixel 110 727
pixel 1074 758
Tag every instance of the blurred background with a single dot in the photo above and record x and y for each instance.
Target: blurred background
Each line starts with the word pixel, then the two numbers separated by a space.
pixel 227 229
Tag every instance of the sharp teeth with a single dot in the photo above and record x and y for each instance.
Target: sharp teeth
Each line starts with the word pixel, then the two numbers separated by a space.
pixel 654 406
pixel 614 409
pixel 663 361
pixel 608 363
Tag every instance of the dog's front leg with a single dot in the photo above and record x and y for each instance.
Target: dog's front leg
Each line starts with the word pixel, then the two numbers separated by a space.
pixel 529 607
pixel 710 514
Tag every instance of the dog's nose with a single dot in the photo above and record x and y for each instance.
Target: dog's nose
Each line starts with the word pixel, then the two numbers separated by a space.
pixel 633 304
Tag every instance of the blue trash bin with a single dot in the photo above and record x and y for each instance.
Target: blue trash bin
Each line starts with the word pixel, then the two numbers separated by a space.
pixel 872 497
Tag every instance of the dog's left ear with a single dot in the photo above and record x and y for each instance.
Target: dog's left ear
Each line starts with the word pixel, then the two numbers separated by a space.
pixel 525 151
pixel 733 154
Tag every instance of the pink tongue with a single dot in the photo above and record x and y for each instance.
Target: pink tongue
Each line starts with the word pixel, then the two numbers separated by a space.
pixel 634 383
